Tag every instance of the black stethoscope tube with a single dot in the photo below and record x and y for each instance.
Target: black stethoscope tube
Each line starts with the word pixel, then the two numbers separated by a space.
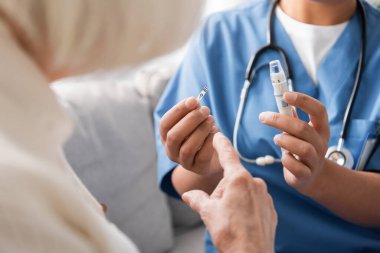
pixel 359 71
pixel 251 70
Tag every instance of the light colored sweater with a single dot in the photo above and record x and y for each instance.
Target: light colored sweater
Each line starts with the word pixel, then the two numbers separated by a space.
pixel 43 205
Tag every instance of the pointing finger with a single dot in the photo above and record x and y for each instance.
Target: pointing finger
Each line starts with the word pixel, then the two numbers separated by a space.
pixel 227 155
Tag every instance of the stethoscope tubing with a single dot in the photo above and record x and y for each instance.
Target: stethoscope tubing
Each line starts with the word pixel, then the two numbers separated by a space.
pixel 251 70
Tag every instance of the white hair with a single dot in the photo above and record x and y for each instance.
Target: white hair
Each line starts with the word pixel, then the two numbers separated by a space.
pixel 85 34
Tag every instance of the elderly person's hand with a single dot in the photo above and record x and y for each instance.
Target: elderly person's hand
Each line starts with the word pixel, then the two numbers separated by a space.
pixel 239 214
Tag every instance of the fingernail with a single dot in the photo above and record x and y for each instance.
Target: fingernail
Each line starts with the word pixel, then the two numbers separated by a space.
pixel 204 110
pixel 264 116
pixel 290 97
pixel 214 129
pixel 284 152
pixel 191 103
pixel 275 138
pixel 210 120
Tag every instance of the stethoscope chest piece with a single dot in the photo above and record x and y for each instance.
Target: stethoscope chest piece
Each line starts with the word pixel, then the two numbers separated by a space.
pixel 338 154
pixel 342 157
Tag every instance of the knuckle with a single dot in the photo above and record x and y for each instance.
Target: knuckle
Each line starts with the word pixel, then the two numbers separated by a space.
pixel 178 109
pixel 302 127
pixel 260 184
pixel 171 155
pixel 321 109
pixel 172 139
pixel 198 115
pixel 202 158
pixel 185 153
pixel 321 147
pixel 275 117
pixel 240 178
pixel 230 156
pixel 204 128
pixel 301 99
pixel 205 153
pixel 297 98
pixel 306 150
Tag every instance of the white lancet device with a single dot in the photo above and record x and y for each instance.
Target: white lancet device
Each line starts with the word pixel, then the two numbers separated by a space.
pixel 280 86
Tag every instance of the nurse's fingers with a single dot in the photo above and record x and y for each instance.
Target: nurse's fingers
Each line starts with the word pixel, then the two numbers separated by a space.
pixel 316 110
pixel 175 114
pixel 293 126
pixel 205 153
pixel 294 171
pixel 194 143
pixel 227 155
pixel 304 150
pixel 183 129
pixel 196 199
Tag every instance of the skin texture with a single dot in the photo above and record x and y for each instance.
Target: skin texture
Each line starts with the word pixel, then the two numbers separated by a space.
pixel 198 165
pixel 306 142
pixel 304 166
pixel 308 171
pixel 239 214
pixel 187 131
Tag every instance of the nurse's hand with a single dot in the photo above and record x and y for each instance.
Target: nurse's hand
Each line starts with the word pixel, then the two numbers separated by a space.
pixel 186 132
pixel 239 214
pixel 306 142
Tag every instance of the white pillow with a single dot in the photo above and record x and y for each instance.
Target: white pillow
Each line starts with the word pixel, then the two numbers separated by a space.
pixel 150 81
pixel 112 150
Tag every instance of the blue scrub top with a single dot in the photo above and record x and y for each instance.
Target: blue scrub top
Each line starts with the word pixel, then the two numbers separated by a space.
pixel 218 57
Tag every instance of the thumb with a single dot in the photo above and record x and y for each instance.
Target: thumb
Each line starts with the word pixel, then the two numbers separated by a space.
pixel 195 199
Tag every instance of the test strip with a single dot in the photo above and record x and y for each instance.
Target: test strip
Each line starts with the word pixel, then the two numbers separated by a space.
pixel 202 94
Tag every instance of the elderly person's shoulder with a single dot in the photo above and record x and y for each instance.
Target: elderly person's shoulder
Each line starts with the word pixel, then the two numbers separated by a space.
pixel 39 205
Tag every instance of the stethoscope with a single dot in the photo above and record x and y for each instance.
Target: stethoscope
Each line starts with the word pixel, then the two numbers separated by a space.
pixel 338 153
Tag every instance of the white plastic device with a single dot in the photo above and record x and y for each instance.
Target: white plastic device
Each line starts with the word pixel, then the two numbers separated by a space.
pixel 280 86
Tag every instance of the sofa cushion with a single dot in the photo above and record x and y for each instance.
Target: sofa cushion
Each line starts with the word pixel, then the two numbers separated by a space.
pixel 112 150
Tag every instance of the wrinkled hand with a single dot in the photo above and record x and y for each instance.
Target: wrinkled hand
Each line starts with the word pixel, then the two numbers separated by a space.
pixel 239 214
pixel 306 142
pixel 186 132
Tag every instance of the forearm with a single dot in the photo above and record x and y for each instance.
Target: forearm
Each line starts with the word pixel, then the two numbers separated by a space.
pixel 353 195
pixel 184 180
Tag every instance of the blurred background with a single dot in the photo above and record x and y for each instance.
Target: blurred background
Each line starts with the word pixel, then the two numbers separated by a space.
pixel 112 149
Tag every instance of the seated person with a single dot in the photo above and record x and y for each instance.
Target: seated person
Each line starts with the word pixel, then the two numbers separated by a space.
pixel 43 205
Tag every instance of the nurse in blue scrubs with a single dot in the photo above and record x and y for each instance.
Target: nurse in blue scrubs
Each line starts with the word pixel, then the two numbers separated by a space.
pixel 321 206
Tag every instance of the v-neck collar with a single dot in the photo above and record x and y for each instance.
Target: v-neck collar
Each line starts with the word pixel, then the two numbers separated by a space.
pixel 336 73
pixel 301 80
pixel 335 69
